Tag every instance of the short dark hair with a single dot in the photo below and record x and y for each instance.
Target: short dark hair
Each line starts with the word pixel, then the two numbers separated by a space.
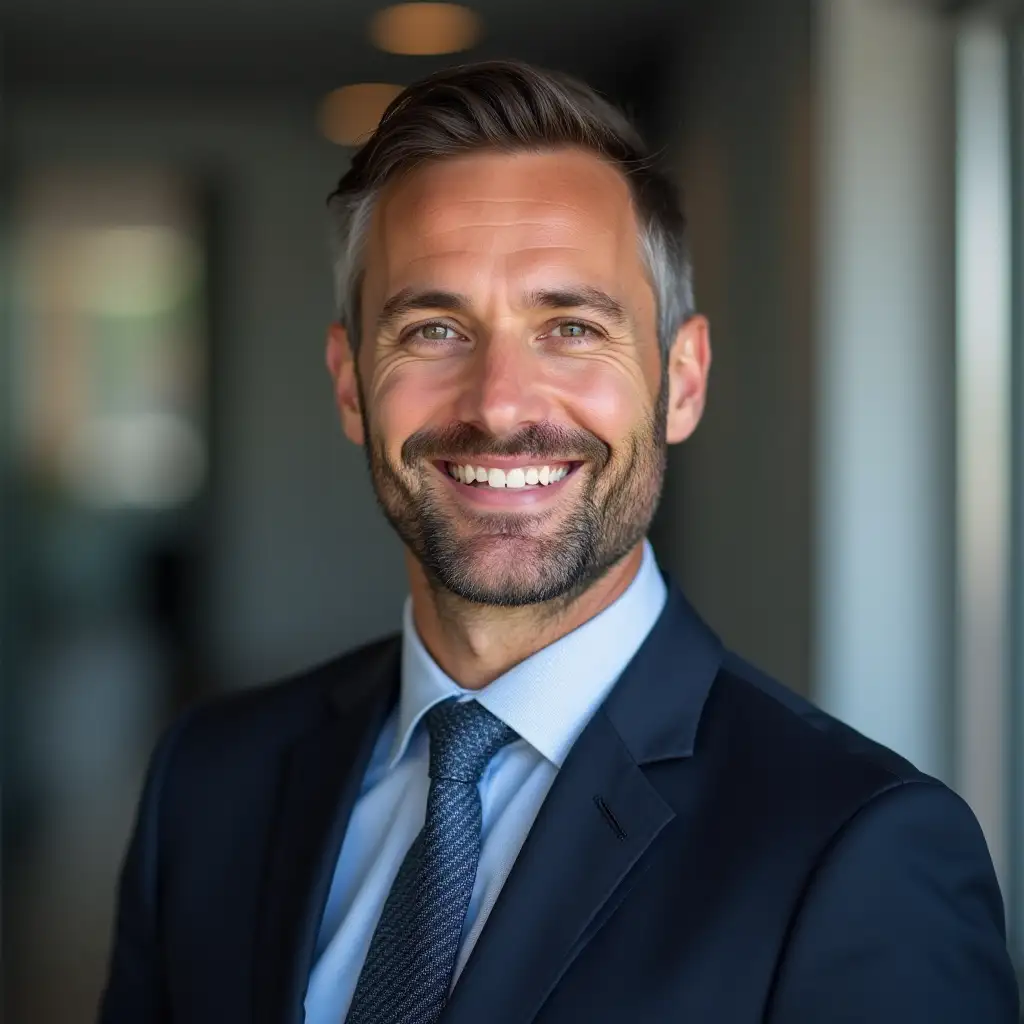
pixel 509 106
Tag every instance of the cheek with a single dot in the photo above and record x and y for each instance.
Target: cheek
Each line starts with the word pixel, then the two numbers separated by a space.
pixel 607 399
pixel 407 398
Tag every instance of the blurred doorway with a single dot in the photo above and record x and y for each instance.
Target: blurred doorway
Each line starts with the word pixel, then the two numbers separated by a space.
pixel 108 387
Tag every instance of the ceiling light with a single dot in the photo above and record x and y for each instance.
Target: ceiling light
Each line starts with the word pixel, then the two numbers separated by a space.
pixel 349 115
pixel 419 29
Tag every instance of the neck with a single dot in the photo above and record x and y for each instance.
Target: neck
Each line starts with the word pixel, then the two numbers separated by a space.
pixel 474 644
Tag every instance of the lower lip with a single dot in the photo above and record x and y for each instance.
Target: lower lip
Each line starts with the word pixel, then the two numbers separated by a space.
pixel 507 497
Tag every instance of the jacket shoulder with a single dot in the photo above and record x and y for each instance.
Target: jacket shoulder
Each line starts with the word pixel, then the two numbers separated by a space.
pixel 779 750
pixel 821 734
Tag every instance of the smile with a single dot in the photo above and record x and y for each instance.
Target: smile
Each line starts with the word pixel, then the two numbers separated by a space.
pixel 507 483
pixel 513 477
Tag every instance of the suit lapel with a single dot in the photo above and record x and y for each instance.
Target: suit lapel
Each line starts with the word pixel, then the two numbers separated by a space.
pixel 599 819
pixel 319 783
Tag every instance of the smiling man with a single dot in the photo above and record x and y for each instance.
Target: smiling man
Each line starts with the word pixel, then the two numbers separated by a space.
pixel 555 796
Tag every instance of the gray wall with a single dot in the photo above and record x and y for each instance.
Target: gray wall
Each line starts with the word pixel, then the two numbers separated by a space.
pixel 887 425
pixel 736 520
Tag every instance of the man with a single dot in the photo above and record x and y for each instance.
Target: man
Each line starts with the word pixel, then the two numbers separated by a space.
pixel 555 797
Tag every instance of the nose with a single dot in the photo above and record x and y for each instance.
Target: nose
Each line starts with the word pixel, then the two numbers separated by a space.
pixel 505 389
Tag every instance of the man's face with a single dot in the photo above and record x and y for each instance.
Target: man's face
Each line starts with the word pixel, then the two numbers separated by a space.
pixel 509 389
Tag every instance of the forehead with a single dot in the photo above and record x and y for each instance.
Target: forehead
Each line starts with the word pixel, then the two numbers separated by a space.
pixel 518 221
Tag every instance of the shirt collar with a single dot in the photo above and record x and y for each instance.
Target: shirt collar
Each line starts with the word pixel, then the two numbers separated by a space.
pixel 548 698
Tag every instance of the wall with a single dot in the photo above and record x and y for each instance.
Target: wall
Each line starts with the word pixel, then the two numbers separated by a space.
pixel 736 522
pixel 885 467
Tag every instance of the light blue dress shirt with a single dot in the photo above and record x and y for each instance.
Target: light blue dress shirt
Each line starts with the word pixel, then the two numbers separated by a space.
pixel 547 699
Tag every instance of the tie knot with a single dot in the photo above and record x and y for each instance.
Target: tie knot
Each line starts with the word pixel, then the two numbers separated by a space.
pixel 464 736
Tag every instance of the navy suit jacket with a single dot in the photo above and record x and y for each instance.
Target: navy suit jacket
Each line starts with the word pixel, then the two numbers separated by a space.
pixel 714 849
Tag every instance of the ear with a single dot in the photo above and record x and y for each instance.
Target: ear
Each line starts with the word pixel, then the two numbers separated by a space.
pixel 341 364
pixel 689 362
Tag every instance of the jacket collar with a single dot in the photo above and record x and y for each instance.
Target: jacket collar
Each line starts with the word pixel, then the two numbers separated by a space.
pixel 656 706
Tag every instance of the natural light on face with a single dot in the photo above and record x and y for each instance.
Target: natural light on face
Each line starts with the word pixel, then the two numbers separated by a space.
pixel 511 373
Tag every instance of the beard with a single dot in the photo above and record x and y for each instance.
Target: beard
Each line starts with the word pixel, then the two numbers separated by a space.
pixel 515 559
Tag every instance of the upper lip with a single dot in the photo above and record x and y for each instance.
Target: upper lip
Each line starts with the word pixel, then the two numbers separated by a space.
pixel 505 461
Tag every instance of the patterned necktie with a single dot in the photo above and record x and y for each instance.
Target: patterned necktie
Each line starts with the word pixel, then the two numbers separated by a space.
pixel 408 968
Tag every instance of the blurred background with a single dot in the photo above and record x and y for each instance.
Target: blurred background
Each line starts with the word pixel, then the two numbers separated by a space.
pixel 181 515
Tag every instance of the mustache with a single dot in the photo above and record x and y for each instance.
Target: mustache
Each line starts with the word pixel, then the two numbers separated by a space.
pixel 542 441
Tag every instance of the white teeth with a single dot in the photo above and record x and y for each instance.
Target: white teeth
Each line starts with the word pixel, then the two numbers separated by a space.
pixel 515 478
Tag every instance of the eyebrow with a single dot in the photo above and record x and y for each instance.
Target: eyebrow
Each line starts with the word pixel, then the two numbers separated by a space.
pixel 584 298
pixel 409 300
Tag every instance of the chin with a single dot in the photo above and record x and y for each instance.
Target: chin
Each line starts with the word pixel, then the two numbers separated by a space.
pixel 502 571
